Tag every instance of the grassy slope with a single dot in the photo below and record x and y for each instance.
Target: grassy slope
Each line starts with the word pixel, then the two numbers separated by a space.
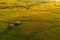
pixel 38 23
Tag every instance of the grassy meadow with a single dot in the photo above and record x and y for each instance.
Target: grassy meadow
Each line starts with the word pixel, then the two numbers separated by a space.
pixel 38 22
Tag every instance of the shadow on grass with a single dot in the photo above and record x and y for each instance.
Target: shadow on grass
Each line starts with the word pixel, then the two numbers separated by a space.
pixel 5 32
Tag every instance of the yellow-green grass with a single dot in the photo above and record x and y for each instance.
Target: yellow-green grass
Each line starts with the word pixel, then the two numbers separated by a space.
pixel 35 24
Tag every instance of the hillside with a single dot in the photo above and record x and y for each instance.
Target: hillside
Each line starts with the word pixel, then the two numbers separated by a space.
pixel 38 22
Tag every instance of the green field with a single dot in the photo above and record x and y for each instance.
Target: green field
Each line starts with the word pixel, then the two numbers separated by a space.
pixel 40 22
